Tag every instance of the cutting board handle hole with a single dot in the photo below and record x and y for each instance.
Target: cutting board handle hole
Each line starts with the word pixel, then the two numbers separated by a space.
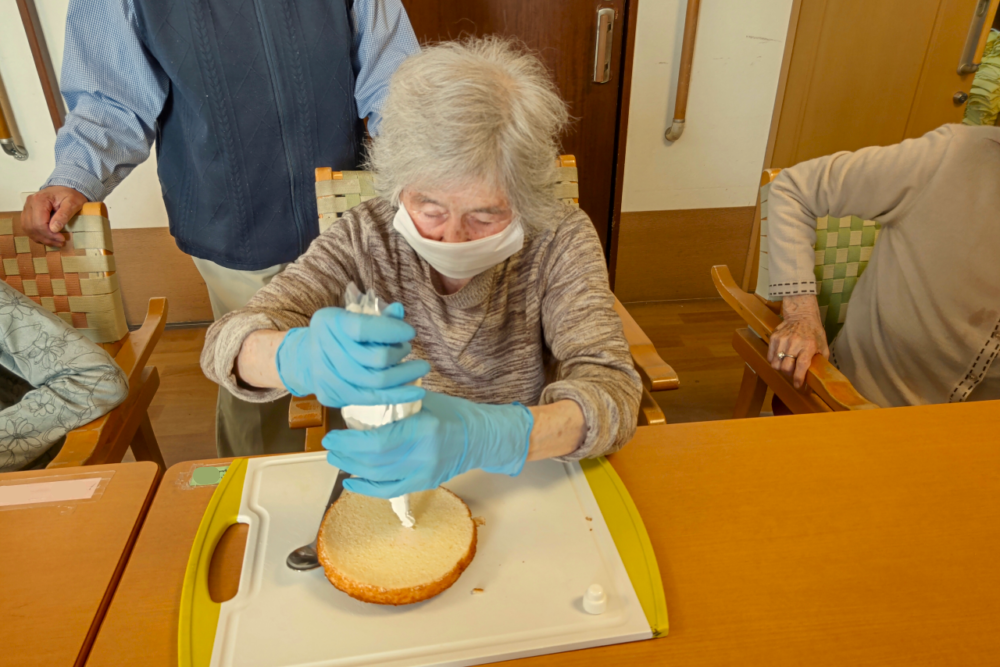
pixel 227 563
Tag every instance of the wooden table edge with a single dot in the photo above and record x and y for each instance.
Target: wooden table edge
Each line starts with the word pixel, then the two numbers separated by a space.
pixel 102 608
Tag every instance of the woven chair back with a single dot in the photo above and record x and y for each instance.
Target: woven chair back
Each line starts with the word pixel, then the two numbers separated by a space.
pixel 340 191
pixel 77 282
pixel 843 249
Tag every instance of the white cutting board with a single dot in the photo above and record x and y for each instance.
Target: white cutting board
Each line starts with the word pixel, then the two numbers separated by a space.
pixel 536 555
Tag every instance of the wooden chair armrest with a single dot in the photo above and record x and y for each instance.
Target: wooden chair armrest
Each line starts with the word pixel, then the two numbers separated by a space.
pixel 656 374
pixel 754 312
pixel 105 439
pixel 97 441
pixel 138 345
pixel 650 413
pixel 823 377
pixel 305 412
pixel 823 380
pixel 83 443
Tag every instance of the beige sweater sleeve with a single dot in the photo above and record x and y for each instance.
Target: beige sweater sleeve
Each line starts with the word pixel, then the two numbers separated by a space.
pixel 584 334
pixel 316 280
pixel 875 183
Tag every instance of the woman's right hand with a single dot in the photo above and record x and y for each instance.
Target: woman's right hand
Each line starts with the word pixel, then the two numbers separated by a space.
pixel 798 338
pixel 352 359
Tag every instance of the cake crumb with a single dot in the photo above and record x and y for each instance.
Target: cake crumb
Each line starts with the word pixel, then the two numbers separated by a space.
pixel 477 591
pixel 479 521
pixel 588 518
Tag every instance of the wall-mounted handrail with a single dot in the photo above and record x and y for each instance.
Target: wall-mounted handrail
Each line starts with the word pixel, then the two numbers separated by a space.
pixel 676 128
pixel 43 62
pixel 976 39
pixel 10 138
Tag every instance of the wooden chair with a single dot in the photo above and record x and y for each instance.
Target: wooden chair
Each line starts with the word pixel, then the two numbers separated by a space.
pixel 339 191
pixel 79 283
pixel 843 248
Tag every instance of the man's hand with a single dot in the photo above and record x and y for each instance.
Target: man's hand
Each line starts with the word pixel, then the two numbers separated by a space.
pixel 47 211
pixel 800 337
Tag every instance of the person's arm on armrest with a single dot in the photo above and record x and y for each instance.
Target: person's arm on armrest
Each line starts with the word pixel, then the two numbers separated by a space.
pixel 114 92
pixel 560 429
pixel 75 380
pixel 875 183
pixel 799 337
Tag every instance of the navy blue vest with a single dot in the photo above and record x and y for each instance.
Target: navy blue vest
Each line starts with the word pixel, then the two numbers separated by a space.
pixel 261 93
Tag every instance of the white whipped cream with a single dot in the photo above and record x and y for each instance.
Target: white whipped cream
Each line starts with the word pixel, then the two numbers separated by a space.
pixel 367 417
pixel 401 506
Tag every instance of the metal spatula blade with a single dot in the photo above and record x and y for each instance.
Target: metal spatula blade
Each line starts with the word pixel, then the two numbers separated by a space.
pixel 305 557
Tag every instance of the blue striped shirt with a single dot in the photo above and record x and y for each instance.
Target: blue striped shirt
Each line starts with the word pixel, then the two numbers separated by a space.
pixel 115 91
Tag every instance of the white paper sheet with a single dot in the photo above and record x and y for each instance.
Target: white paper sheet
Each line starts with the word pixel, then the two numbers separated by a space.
pixel 48 492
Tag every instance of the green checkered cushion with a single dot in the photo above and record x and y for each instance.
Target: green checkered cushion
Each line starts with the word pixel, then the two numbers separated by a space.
pixel 843 249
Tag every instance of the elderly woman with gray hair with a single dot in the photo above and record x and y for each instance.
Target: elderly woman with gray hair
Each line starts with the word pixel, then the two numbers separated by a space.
pixel 500 293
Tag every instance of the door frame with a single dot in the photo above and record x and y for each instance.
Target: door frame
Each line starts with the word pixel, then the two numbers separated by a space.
pixel 627 46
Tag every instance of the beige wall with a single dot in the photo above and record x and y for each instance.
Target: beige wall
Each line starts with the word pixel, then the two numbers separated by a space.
pixel 717 162
pixel 688 205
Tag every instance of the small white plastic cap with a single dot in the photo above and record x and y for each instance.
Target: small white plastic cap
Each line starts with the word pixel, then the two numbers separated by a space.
pixel 595 601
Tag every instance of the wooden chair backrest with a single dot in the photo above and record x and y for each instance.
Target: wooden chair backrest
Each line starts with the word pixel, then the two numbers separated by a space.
pixel 843 248
pixel 77 282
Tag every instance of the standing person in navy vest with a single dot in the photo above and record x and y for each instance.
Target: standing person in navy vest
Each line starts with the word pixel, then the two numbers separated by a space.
pixel 244 99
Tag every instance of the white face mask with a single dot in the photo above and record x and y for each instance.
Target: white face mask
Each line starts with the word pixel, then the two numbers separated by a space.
pixel 460 260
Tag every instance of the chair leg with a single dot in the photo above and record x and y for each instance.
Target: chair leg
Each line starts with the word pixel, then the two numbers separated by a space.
pixel 144 444
pixel 751 397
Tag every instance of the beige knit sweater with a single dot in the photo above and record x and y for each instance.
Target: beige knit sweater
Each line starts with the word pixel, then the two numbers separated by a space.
pixel 538 328
pixel 924 318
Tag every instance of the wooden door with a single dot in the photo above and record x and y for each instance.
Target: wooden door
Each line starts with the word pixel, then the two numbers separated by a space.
pixel 861 73
pixel 563 33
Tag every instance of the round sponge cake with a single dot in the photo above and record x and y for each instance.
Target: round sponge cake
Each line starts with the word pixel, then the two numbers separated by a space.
pixel 367 553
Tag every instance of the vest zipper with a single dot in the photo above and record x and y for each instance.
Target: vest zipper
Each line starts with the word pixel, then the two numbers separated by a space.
pixel 270 57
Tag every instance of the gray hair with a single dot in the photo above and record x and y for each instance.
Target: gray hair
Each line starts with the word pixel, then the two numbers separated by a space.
pixel 481 109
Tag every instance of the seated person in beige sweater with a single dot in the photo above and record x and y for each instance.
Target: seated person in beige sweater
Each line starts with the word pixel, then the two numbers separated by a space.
pixel 503 287
pixel 924 319
pixel 52 380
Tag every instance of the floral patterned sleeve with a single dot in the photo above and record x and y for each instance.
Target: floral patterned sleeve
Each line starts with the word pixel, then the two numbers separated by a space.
pixel 73 380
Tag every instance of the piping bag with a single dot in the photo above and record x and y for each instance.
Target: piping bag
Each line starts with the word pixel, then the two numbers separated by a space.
pixel 367 417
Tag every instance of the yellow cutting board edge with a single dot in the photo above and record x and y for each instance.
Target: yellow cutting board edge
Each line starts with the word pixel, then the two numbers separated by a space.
pixel 631 539
pixel 199 615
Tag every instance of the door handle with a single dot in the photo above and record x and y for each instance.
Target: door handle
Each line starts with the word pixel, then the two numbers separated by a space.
pixel 10 138
pixel 966 64
pixel 604 46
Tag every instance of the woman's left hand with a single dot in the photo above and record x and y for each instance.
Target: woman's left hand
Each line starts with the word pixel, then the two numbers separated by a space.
pixel 447 437
pixel 798 338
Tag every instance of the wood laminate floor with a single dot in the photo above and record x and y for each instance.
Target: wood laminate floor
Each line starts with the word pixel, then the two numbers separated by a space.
pixel 693 336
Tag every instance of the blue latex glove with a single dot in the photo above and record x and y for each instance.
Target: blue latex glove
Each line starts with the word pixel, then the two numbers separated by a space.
pixel 446 438
pixel 352 359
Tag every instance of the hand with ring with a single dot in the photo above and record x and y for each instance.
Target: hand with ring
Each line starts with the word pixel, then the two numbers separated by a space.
pixel 798 338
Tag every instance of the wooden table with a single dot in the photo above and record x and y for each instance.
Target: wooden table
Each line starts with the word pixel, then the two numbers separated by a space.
pixel 870 538
pixel 60 562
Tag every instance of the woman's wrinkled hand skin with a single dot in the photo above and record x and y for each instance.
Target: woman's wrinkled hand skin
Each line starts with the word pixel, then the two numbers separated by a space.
pixel 801 335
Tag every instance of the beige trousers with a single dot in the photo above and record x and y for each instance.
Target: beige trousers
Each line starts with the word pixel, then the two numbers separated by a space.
pixel 241 428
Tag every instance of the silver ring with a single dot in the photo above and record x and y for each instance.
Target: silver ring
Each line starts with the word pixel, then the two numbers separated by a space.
pixel 782 355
